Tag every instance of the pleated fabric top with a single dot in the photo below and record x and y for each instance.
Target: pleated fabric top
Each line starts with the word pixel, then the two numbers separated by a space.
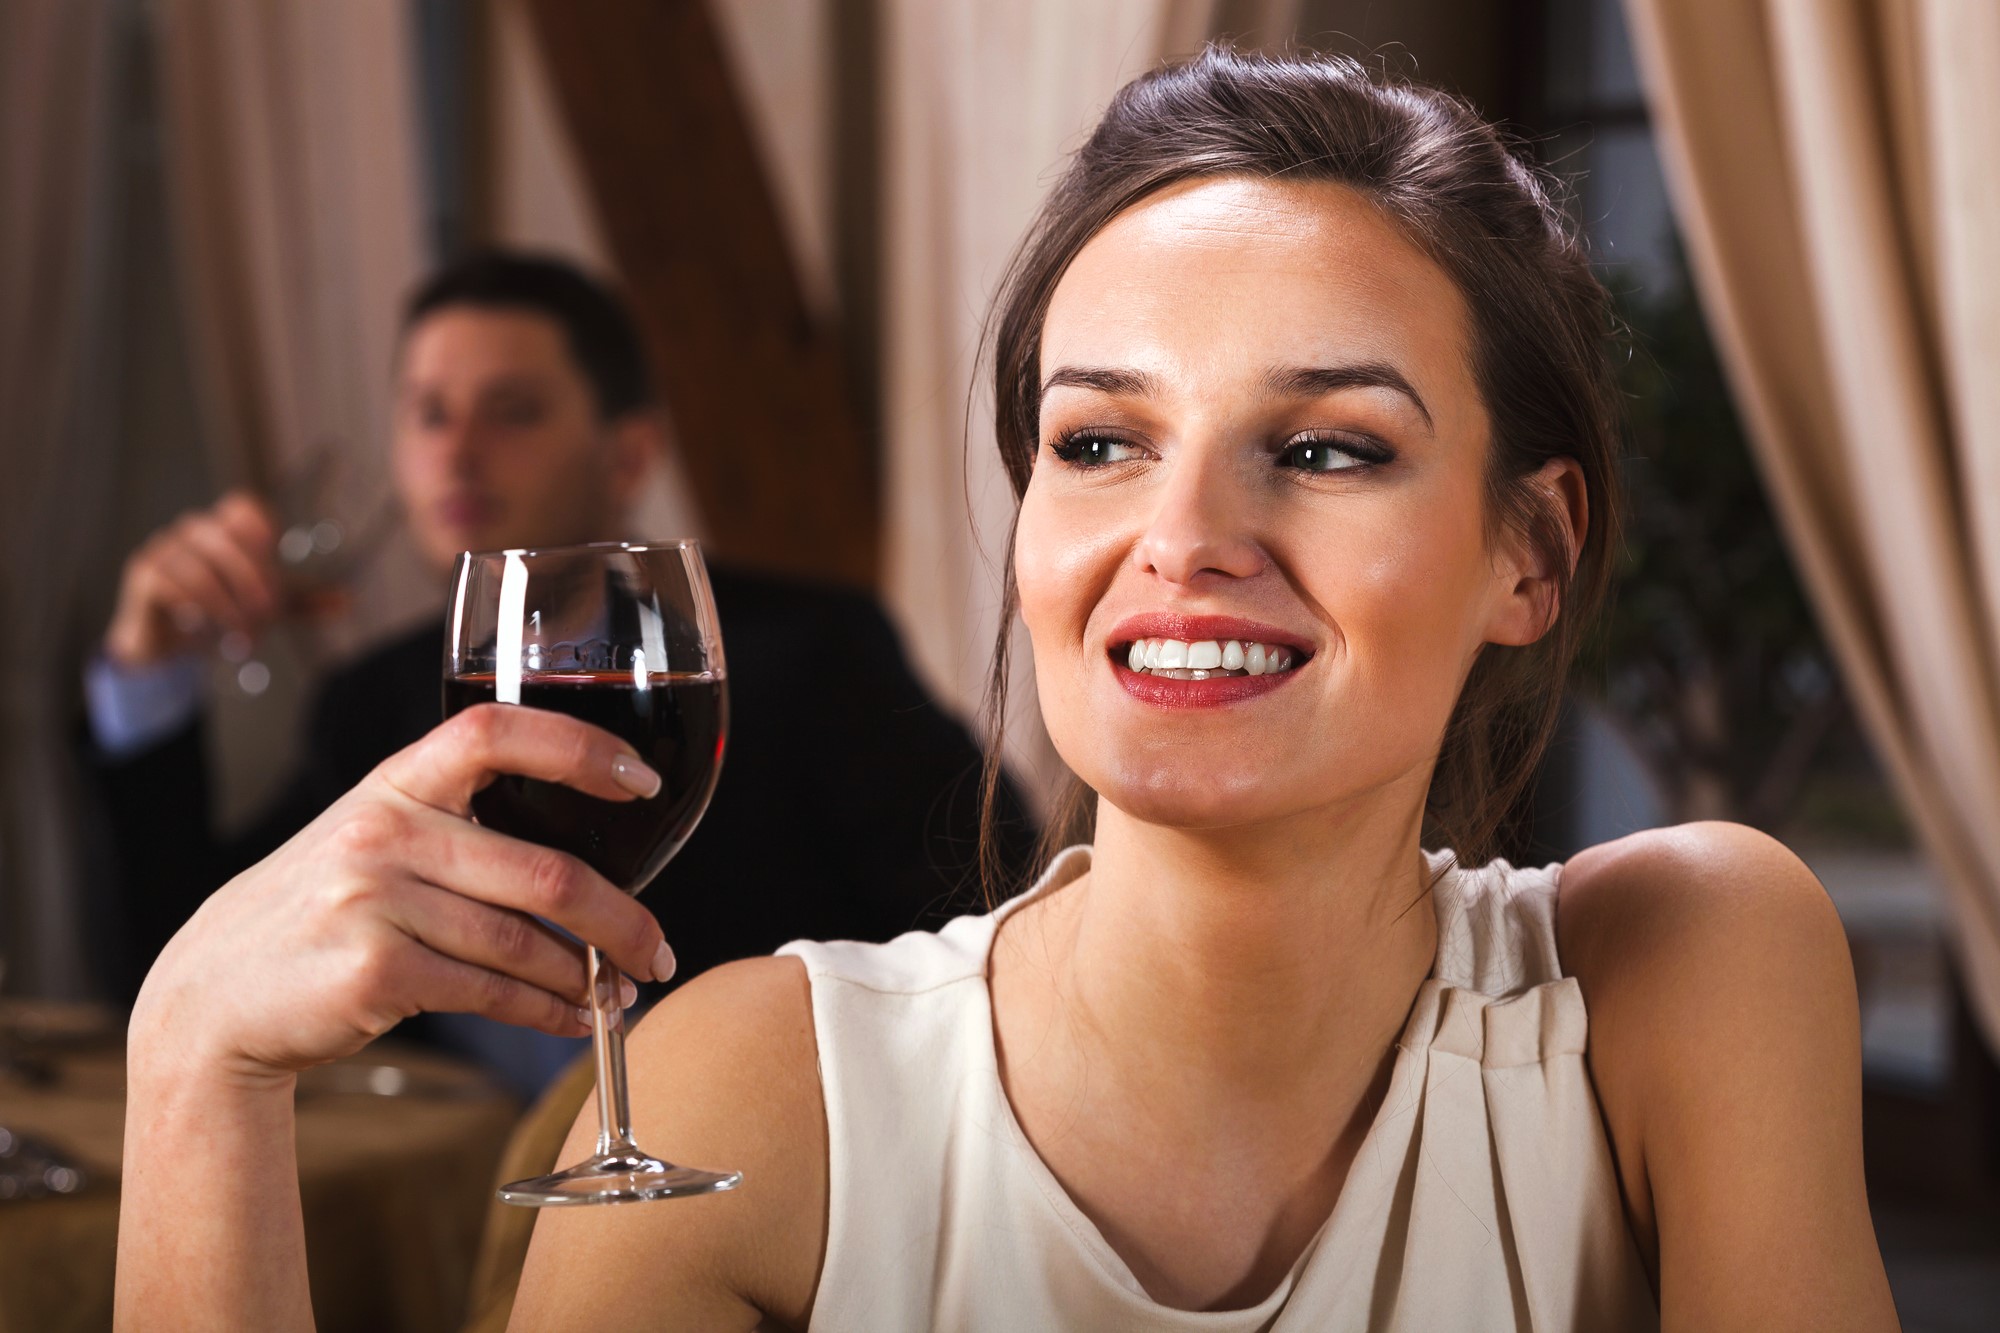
pixel 1483 1196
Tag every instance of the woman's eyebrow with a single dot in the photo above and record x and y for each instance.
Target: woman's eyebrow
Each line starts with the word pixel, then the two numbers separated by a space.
pixel 1312 381
pixel 1104 379
pixel 1292 381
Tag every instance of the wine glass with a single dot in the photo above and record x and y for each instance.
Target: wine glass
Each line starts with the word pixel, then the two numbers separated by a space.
pixel 622 635
pixel 323 548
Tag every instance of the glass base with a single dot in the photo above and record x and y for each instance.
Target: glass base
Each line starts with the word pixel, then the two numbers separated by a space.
pixel 617 1177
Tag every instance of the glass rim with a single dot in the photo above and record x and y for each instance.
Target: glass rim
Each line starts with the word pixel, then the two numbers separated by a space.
pixel 579 548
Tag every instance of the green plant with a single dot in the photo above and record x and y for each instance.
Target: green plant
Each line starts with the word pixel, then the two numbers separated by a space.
pixel 1710 656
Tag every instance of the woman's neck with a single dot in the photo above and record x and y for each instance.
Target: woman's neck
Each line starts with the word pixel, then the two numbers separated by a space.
pixel 1271 962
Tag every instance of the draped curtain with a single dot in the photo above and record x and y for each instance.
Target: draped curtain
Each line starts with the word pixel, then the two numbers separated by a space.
pixel 291 143
pixel 57 108
pixel 1836 168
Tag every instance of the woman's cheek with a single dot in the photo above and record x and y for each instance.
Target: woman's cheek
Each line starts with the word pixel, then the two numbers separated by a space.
pixel 1064 559
pixel 1034 578
pixel 1414 607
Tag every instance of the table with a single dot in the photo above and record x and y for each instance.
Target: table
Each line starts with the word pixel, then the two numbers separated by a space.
pixel 398 1150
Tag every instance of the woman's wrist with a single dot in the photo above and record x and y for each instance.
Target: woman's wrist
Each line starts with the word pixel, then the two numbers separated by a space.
pixel 170 1054
pixel 211 1232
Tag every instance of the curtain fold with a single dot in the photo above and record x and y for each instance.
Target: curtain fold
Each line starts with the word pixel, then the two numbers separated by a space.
pixel 289 143
pixel 290 135
pixel 1836 169
pixel 58 96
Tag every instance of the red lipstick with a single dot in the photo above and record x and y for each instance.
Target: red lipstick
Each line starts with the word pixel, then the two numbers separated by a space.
pixel 1167 692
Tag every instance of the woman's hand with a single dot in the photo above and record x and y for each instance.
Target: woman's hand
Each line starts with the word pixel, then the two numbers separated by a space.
pixel 393 902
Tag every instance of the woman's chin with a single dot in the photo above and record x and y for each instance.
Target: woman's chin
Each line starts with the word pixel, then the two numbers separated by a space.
pixel 1194 803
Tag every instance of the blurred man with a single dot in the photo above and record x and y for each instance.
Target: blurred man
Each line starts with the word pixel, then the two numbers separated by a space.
pixel 847 804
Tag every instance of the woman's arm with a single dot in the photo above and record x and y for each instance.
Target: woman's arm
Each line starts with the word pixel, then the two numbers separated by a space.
pixel 1725 1046
pixel 392 902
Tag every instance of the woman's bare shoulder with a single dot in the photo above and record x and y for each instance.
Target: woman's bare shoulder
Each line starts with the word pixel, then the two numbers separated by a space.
pixel 1689 940
pixel 1697 882
pixel 1694 913
pixel 724 1075
pixel 1725 1050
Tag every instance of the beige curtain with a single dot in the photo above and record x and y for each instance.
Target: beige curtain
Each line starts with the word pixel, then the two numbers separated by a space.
pixel 58 183
pixel 1836 167
pixel 289 133
pixel 982 101
pixel 291 141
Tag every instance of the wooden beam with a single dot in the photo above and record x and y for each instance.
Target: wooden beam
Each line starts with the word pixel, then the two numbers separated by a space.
pixel 755 384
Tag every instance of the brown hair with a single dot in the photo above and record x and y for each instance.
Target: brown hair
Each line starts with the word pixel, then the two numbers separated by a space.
pixel 1540 325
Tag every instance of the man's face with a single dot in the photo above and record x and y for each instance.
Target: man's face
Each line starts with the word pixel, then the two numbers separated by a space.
pixel 498 441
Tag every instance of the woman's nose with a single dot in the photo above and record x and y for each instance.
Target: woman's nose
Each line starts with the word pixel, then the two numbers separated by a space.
pixel 1201 527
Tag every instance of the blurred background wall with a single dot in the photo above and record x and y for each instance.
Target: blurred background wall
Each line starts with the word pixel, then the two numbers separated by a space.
pixel 212 210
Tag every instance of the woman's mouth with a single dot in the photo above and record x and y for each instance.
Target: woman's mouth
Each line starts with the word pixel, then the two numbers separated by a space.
pixel 1207 659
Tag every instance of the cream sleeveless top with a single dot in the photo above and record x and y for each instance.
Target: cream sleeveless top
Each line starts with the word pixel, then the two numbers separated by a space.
pixel 1482 1198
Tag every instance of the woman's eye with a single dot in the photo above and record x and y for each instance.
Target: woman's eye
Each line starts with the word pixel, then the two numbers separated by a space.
pixel 1320 455
pixel 1093 450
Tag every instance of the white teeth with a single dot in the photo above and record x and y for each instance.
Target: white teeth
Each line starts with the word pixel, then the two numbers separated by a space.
pixel 1178 659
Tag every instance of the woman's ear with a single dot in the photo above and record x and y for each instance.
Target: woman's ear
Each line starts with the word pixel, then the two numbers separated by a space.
pixel 1528 583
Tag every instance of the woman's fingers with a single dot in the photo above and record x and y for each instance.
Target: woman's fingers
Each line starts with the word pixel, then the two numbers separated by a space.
pixel 505 873
pixel 496 939
pixel 540 881
pixel 441 985
pixel 442 772
pixel 455 760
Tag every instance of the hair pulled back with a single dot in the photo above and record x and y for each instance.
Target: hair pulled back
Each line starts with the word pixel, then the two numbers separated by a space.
pixel 1540 325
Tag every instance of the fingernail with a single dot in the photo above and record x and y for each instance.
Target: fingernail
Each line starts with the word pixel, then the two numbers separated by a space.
pixel 663 963
pixel 583 1015
pixel 634 776
pixel 628 994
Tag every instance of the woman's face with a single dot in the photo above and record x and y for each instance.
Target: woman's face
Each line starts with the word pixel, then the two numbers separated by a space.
pixel 1261 445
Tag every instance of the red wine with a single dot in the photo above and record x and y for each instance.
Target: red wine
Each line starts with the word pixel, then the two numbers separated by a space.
pixel 677 723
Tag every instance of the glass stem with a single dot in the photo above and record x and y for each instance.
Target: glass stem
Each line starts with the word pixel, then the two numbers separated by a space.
pixel 607 1041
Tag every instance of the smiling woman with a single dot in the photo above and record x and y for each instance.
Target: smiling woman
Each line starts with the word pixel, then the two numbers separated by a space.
pixel 1401 246
pixel 1303 393
pixel 1302 386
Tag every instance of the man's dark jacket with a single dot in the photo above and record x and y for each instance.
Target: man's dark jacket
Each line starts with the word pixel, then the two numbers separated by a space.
pixel 847 806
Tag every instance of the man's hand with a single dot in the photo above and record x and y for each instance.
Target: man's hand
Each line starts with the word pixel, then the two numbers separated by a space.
pixel 210 571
